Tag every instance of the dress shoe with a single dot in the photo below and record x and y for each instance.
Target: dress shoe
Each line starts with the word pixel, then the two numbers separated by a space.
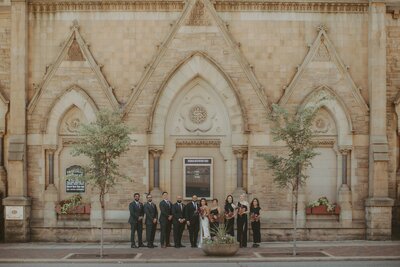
pixel 150 246
pixel 134 246
pixel 182 246
pixel 154 246
pixel 163 246
pixel 141 245
pixel 177 246
pixel 169 245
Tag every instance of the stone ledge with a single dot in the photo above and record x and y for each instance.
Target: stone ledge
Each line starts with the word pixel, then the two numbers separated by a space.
pixel 379 202
pixel 17 201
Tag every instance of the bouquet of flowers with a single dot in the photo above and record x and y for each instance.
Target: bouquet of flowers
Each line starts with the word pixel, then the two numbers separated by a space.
pixel 203 212
pixel 229 215
pixel 322 201
pixel 254 217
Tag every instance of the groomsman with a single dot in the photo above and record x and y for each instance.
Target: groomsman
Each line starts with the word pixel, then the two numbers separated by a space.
pixel 165 220
pixel 136 220
pixel 178 221
pixel 150 210
pixel 193 220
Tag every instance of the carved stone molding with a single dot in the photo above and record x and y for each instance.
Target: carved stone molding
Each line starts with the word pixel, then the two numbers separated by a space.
pixel 329 142
pixel 91 5
pixel 240 151
pixel 156 151
pixel 68 141
pixel 275 6
pixel 394 10
pixel 198 15
pixel 345 150
pixel 198 143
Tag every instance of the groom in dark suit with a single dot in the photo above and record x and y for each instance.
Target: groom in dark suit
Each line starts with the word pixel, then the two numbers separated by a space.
pixel 178 221
pixel 165 220
pixel 192 220
pixel 150 210
pixel 136 220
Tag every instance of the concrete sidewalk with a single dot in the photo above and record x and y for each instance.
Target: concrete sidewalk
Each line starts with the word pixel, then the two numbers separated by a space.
pixel 268 251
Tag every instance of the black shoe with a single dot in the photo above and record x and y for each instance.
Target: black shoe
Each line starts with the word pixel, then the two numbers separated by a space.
pixel 150 246
pixel 169 246
pixel 182 246
pixel 141 245
pixel 177 246
pixel 134 246
pixel 255 245
pixel 154 246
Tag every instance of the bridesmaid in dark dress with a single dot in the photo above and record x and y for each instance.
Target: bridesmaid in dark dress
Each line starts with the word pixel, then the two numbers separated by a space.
pixel 243 210
pixel 230 213
pixel 255 221
pixel 214 217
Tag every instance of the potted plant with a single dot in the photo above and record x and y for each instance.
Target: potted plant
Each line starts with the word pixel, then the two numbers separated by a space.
pixel 322 206
pixel 72 205
pixel 222 244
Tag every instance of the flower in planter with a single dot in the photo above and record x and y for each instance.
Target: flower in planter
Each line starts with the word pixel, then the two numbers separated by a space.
pixel 322 201
pixel 70 204
pixel 221 237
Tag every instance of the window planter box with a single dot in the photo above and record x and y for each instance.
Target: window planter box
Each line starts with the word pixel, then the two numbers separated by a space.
pixel 80 209
pixel 322 210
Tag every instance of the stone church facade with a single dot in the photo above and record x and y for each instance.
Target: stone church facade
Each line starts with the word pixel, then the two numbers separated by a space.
pixel 195 80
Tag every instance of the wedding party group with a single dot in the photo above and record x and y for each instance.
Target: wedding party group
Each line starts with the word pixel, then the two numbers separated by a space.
pixel 202 220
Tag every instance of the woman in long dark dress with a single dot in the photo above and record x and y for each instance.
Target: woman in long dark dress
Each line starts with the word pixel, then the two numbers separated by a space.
pixel 214 217
pixel 243 210
pixel 230 212
pixel 255 221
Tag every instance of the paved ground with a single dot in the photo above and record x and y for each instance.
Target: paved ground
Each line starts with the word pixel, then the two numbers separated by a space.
pixel 267 252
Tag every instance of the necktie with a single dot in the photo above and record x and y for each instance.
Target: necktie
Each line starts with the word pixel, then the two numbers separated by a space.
pixel 180 206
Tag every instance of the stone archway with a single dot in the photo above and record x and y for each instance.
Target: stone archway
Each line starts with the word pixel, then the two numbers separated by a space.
pixel 197 113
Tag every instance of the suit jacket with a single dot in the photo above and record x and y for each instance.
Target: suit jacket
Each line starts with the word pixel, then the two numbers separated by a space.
pixel 192 213
pixel 135 210
pixel 165 210
pixel 177 212
pixel 151 212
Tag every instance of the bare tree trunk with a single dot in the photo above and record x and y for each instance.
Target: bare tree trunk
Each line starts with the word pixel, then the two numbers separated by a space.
pixel 102 220
pixel 296 201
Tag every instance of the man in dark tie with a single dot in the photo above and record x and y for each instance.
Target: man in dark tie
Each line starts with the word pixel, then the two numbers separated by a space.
pixel 150 210
pixel 193 220
pixel 165 220
pixel 136 220
pixel 178 221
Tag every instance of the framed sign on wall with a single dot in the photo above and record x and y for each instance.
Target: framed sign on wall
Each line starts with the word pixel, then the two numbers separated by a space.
pixel 198 177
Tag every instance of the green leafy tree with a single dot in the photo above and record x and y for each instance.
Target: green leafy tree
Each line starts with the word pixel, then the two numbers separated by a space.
pixel 289 168
pixel 102 141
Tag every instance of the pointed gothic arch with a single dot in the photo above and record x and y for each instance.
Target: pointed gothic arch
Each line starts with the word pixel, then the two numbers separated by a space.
pixel 196 65
pixel 324 96
pixel 73 96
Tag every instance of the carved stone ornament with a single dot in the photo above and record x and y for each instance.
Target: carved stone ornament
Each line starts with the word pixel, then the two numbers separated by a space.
pixel 322 54
pixel 71 122
pixel 74 52
pixel 198 16
pixel 198 143
pixel 198 114
pixel 323 124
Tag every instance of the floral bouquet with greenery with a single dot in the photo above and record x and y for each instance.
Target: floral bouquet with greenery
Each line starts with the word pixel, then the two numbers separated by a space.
pixel 70 203
pixel 221 237
pixel 322 201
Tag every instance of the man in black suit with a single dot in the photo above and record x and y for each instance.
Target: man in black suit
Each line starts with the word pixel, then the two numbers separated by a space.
pixel 136 220
pixel 150 210
pixel 193 220
pixel 165 220
pixel 178 221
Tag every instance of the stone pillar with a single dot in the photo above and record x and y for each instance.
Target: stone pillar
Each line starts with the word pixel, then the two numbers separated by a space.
pixel 378 206
pixel 3 174
pixel 156 191
pixel 17 227
pixel 344 200
pixel 239 153
pixel 51 193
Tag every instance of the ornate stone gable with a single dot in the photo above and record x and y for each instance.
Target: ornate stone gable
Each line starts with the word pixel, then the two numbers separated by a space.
pixel 322 67
pixel 75 50
pixel 184 41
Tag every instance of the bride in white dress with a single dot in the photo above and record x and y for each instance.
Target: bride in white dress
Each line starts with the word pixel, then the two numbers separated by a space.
pixel 204 222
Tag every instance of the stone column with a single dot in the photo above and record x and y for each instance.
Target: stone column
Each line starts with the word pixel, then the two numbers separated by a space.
pixel 51 192
pixel 378 206
pixel 18 229
pixel 344 201
pixel 156 191
pixel 239 153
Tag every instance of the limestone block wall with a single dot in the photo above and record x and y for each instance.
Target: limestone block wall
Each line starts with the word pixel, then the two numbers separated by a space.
pixel 393 85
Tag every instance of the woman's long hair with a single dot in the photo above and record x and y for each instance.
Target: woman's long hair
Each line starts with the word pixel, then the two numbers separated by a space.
pixel 226 200
pixel 258 203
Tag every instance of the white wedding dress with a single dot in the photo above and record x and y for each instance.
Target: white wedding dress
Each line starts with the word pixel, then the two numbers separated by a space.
pixel 204 230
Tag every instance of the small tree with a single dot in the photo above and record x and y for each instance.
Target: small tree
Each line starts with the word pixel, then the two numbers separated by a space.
pixel 295 131
pixel 102 141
